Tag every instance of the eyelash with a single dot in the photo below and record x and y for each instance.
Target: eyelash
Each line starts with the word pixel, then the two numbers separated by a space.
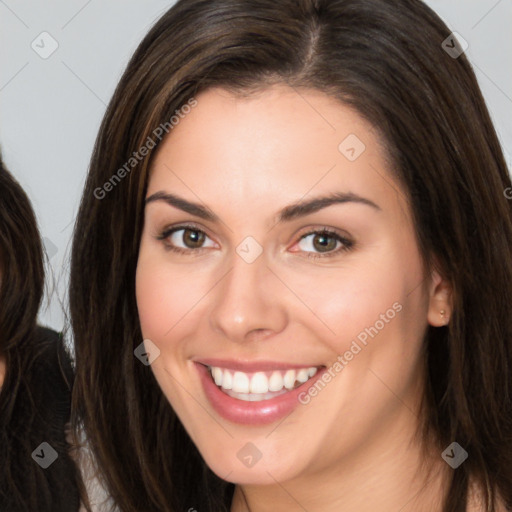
pixel 346 246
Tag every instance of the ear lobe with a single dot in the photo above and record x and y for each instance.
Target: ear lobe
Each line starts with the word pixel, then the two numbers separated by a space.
pixel 440 301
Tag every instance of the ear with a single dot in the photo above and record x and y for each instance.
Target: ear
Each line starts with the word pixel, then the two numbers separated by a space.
pixel 440 305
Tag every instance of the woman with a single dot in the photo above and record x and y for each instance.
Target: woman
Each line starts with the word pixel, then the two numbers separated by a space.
pixel 291 273
pixel 36 470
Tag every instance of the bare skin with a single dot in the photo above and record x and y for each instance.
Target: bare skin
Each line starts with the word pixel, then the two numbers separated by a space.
pixel 352 447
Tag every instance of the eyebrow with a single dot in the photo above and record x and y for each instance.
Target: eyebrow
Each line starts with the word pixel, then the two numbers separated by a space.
pixel 288 213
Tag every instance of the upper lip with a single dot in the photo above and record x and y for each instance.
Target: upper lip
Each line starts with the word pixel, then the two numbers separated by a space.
pixel 252 366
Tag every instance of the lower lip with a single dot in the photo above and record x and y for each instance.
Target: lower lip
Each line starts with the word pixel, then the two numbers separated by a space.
pixel 252 413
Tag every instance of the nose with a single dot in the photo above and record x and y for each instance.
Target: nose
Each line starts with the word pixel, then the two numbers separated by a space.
pixel 249 301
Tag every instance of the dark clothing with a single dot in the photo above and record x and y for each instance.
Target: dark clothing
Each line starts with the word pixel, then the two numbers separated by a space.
pixel 34 409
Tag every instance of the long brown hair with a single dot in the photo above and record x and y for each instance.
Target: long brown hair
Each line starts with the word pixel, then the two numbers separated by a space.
pixel 385 59
pixel 35 397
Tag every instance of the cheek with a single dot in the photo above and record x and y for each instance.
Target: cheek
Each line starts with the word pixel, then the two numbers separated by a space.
pixel 345 300
pixel 373 296
pixel 170 297
pixel 152 296
pixel 163 297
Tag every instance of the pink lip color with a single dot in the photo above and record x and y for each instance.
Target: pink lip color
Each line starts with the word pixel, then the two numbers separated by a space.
pixel 251 366
pixel 252 413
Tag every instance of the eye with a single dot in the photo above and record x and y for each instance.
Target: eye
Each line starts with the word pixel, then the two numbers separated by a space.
pixel 320 243
pixel 184 239
pixel 325 241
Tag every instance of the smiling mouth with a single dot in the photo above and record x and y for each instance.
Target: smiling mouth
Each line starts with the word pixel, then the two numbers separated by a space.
pixel 262 385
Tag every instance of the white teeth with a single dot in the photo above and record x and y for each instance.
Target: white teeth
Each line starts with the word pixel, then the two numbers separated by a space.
pixel 289 379
pixel 259 385
pixel 302 375
pixel 240 383
pixel 254 397
pixel 217 375
pixel 276 382
pixel 227 380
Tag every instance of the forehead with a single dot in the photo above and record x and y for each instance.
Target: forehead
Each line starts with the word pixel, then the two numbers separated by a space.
pixel 274 147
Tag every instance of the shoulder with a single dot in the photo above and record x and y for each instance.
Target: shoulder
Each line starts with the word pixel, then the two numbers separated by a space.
pixel 52 376
pixel 51 356
pixel 37 391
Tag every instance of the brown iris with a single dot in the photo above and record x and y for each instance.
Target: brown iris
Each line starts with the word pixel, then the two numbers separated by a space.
pixel 323 244
pixel 195 240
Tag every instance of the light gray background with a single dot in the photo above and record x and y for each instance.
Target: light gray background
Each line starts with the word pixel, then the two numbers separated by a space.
pixel 51 108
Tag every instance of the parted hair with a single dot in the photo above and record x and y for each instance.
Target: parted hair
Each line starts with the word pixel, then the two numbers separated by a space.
pixel 386 60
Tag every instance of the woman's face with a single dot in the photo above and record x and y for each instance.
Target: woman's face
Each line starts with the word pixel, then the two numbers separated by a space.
pixel 256 293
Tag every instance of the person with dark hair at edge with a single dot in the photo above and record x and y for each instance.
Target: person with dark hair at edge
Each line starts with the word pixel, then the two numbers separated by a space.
pixel 37 470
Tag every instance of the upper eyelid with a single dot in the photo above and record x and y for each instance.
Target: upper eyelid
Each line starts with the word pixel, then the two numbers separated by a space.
pixel 186 225
pixel 325 229
pixel 306 232
pixel 168 231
